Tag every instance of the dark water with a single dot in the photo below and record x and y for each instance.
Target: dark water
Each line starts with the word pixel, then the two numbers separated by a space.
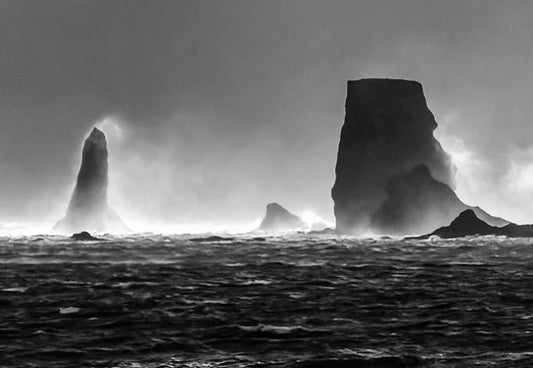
pixel 295 301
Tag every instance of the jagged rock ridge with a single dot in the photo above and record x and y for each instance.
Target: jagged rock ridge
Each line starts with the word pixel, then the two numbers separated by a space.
pixel 88 208
pixel 468 224
pixel 278 218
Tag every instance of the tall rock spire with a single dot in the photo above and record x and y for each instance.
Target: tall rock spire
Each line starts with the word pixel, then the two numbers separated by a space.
pixel 88 208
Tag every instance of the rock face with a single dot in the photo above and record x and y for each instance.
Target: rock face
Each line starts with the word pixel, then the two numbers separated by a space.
pixel 388 129
pixel 278 218
pixel 467 223
pixel 517 231
pixel 88 208
pixel 416 203
pixel 83 236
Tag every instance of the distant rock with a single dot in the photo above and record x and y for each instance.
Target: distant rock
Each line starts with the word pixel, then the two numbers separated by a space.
pixel 468 224
pixel 213 238
pixel 84 235
pixel 318 226
pixel 325 231
pixel 278 218
pixel 416 203
pixel 88 208
pixel 388 129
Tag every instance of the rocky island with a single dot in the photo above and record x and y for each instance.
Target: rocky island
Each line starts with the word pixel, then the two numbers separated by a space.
pixel 88 209
pixel 468 224
pixel 278 218
pixel 392 175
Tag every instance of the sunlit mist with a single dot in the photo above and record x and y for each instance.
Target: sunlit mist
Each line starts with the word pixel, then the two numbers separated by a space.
pixel 212 112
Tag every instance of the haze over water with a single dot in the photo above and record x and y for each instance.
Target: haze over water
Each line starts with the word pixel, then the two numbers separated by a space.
pixel 213 109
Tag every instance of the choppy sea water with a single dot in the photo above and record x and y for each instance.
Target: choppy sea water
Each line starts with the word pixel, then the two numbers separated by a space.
pixel 286 301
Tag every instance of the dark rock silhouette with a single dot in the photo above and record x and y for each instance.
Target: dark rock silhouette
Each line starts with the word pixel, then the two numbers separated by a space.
pixel 416 203
pixel 278 218
pixel 84 235
pixel 88 208
pixel 388 129
pixel 517 231
pixel 467 224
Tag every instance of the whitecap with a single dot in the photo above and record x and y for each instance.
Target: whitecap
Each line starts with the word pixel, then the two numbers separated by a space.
pixel 271 328
pixel 237 264
pixel 69 310
pixel 16 289
pixel 256 282
pixel 297 295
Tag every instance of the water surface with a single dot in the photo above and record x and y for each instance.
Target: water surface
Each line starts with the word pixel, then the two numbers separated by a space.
pixel 287 301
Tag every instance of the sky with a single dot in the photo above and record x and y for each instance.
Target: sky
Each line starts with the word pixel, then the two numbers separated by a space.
pixel 212 109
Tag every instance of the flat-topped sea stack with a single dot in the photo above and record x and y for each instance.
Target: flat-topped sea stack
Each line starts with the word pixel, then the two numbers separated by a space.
pixel 388 129
pixel 88 209
pixel 469 224
pixel 387 133
pixel 278 218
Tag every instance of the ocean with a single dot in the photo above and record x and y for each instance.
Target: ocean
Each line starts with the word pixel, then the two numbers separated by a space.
pixel 248 300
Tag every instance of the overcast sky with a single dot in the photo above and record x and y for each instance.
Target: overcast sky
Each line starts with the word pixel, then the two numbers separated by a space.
pixel 214 108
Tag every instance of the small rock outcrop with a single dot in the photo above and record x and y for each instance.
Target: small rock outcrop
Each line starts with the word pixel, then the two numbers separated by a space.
pixel 318 226
pixel 388 129
pixel 88 208
pixel 469 224
pixel 278 218
pixel 84 235
pixel 416 203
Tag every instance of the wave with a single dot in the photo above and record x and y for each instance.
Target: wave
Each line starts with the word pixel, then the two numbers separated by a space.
pixel 275 329
pixel 288 301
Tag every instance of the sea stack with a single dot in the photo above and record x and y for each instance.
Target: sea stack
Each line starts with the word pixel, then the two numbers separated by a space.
pixel 88 208
pixel 393 177
pixel 388 129
pixel 278 218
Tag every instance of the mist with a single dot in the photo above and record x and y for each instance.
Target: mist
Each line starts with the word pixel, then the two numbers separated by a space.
pixel 214 109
